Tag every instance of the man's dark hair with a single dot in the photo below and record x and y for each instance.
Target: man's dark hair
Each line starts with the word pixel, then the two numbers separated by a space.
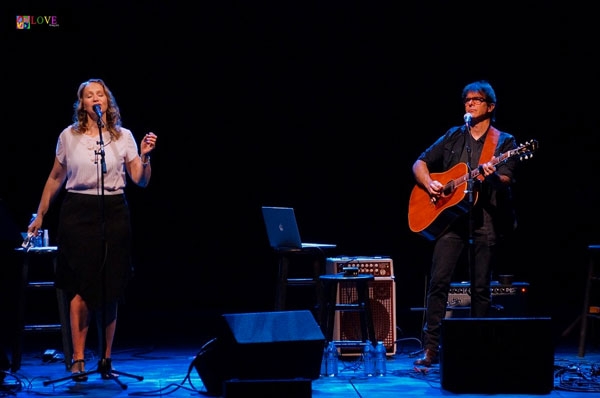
pixel 484 88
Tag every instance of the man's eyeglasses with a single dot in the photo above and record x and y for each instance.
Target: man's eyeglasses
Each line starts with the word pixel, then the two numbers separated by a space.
pixel 476 100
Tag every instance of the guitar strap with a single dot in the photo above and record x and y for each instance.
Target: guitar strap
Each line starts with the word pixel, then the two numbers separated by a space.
pixel 489 147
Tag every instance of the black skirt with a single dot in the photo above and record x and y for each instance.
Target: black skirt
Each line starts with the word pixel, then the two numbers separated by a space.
pixel 83 256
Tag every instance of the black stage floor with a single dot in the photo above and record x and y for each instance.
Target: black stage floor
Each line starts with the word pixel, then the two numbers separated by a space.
pixel 167 370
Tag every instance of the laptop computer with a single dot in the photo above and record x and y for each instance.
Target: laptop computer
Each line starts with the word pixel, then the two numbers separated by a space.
pixel 282 229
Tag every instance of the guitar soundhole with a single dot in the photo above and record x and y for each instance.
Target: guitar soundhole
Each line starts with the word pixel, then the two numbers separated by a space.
pixel 448 189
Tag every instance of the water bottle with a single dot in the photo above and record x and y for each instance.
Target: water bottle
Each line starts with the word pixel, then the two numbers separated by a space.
pixel 46 238
pixel 324 361
pixel 369 359
pixel 39 239
pixel 332 360
pixel 380 359
pixel 36 240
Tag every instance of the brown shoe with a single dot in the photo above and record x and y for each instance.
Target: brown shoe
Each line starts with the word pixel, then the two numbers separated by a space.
pixel 430 357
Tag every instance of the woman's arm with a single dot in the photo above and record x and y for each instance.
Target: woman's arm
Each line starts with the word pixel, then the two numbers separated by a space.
pixel 55 180
pixel 139 168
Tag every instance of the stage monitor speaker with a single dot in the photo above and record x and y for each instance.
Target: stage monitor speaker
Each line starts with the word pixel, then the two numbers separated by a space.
pixel 261 346
pixel 295 388
pixel 497 355
pixel 382 297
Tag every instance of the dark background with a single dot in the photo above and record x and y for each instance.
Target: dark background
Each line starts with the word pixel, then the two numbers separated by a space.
pixel 318 106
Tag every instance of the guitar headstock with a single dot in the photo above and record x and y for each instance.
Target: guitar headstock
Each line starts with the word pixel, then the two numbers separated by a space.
pixel 526 150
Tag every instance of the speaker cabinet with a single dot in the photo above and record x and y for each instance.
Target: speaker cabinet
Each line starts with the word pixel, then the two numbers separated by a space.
pixel 508 300
pixel 497 355
pixel 262 346
pixel 382 297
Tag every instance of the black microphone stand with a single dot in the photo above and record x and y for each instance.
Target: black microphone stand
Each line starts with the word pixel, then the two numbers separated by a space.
pixel 471 201
pixel 104 364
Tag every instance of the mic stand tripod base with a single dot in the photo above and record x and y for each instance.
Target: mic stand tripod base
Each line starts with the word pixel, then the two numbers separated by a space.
pixel 106 373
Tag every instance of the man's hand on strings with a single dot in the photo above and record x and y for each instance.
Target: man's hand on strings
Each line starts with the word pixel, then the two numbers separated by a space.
pixel 435 190
pixel 487 169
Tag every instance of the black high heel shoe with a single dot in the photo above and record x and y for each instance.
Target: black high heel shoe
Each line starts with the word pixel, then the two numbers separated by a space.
pixel 108 374
pixel 77 368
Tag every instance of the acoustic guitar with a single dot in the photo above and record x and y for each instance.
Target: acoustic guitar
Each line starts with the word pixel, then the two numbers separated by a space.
pixel 430 217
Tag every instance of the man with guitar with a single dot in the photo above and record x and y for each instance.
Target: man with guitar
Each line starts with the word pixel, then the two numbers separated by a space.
pixel 466 214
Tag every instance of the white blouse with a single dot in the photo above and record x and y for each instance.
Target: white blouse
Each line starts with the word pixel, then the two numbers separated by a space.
pixel 79 153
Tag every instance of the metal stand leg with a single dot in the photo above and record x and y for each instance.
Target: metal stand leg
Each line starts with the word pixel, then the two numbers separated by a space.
pixel 586 306
pixel 280 294
pixel 18 341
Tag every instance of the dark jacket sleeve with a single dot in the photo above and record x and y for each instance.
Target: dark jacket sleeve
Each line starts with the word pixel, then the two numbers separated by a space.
pixel 501 205
pixel 506 142
pixel 442 153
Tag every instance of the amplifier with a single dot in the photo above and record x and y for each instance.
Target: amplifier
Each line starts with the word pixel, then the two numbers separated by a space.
pixel 507 299
pixel 382 296
pixel 376 266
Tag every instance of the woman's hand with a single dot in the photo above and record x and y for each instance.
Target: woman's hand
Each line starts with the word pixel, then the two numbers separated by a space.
pixel 35 225
pixel 148 143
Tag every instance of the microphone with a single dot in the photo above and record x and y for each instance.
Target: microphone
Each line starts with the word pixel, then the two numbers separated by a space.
pixel 468 117
pixel 98 111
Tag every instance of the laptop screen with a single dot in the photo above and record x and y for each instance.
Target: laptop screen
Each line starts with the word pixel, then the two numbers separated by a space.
pixel 282 229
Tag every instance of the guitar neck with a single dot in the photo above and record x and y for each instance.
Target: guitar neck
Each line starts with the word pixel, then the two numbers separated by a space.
pixel 476 171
